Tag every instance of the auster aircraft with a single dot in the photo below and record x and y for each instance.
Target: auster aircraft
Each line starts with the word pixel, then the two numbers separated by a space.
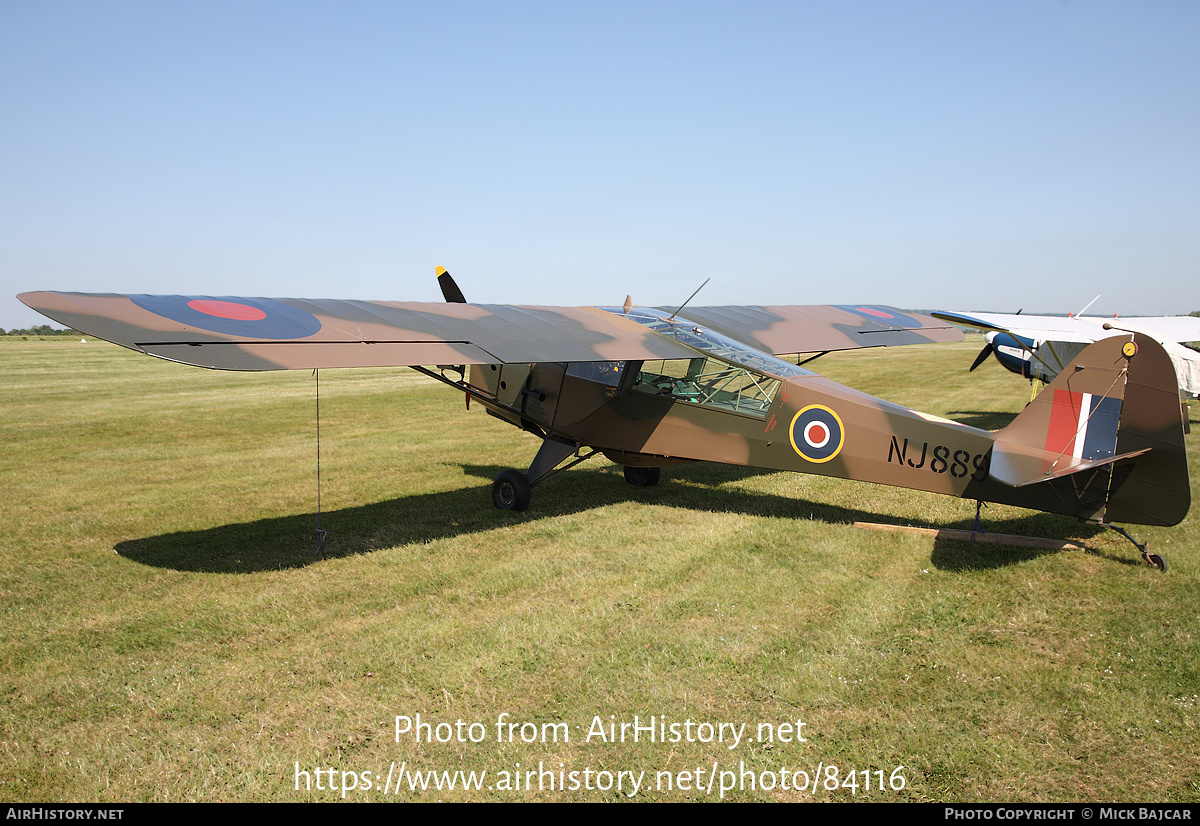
pixel 650 388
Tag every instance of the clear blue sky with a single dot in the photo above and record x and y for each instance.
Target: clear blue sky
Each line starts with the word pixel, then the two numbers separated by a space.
pixel 957 155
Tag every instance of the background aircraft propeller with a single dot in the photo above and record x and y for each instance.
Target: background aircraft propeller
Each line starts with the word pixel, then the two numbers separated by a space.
pixel 982 357
pixel 987 350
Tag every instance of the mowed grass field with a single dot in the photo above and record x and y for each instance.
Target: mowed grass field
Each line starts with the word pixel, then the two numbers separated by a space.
pixel 170 634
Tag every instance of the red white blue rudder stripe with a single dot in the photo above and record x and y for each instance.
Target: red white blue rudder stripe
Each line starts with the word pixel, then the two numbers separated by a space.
pixel 1083 425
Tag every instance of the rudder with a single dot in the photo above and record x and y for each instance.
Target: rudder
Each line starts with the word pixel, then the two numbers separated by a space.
pixel 1154 489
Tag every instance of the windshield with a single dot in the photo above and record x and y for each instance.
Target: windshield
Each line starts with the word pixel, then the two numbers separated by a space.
pixel 707 341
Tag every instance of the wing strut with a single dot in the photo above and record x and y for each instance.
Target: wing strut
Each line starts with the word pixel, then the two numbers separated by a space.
pixel 321 534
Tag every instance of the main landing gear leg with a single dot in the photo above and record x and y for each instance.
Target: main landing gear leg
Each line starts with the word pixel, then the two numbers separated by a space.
pixel 513 489
pixel 1153 560
pixel 976 528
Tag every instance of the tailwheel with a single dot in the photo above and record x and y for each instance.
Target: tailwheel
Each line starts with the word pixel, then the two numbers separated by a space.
pixel 1155 561
pixel 511 491
pixel 643 477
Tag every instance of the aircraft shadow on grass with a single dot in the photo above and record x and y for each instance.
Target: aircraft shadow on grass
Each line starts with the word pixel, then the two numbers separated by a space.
pixel 290 541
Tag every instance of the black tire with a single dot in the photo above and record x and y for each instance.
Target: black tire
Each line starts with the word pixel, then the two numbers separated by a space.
pixel 643 477
pixel 511 491
pixel 1157 562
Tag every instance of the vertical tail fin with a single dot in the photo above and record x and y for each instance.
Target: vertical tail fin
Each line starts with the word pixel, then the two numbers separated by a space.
pixel 1111 422
pixel 1156 488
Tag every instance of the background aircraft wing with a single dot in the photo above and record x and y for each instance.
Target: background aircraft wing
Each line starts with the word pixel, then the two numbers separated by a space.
pixel 235 333
pixel 1079 329
pixel 820 328
pixel 1167 328
pixel 1039 327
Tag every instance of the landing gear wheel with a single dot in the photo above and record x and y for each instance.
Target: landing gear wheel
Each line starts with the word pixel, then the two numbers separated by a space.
pixel 1153 560
pixel 643 477
pixel 511 491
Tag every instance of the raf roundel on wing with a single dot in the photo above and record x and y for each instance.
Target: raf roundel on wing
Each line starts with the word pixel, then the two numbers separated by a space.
pixel 883 315
pixel 248 317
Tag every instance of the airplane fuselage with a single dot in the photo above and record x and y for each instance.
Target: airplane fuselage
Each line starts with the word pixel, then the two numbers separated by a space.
pixel 752 409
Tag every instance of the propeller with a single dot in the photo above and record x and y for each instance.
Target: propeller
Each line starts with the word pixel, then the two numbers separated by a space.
pixel 987 350
pixel 450 290
pixel 453 295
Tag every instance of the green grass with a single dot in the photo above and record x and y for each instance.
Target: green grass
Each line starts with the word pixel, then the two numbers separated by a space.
pixel 170 634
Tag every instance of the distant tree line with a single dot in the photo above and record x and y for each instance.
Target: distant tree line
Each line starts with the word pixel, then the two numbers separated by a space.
pixel 40 330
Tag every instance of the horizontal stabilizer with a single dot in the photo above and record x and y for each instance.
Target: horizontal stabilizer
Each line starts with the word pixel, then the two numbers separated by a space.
pixel 1018 466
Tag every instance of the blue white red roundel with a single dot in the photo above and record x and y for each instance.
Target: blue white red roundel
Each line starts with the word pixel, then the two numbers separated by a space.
pixel 817 433
pixel 884 315
pixel 249 317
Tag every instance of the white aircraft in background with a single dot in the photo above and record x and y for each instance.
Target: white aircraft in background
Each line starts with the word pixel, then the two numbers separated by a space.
pixel 1039 346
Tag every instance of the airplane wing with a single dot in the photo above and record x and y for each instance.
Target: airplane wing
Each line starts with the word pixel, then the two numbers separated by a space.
pixel 237 333
pixel 821 328
pixel 1079 329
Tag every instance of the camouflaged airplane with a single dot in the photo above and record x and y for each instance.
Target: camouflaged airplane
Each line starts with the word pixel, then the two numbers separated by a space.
pixel 652 387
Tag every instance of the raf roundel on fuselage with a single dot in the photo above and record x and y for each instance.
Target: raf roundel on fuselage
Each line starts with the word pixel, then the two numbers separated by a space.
pixel 817 433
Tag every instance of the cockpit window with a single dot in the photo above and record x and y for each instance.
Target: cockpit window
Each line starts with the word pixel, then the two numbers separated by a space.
pixel 601 372
pixel 709 382
pixel 713 343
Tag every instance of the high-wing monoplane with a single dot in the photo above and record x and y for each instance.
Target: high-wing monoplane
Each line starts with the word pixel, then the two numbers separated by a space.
pixel 653 387
pixel 1039 347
